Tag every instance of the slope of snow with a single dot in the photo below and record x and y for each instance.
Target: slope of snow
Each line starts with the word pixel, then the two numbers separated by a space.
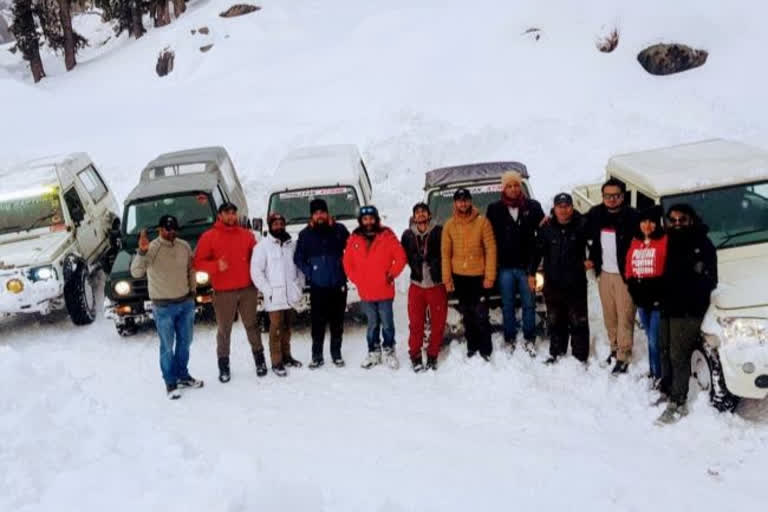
pixel 417 84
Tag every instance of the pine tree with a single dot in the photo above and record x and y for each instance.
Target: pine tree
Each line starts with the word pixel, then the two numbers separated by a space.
pixel 56 23
pixel 24 29
pixel 127 14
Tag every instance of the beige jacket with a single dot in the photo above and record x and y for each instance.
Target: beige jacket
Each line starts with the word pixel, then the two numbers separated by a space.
pixel 168 267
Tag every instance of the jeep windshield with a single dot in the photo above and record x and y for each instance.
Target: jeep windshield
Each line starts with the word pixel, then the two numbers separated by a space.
pixel 294 204
pixel 736 215
pixel 191 209
pixel 441 201
pixel 32 208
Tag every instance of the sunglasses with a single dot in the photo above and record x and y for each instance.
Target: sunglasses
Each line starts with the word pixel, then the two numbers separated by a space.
pixel 613 197
pixel 682 219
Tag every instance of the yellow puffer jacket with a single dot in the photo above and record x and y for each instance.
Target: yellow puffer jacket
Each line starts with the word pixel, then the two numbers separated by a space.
pixel 468 247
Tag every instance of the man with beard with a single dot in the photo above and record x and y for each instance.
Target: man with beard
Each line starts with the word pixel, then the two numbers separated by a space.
pixel 612 226
pixel 319 251
pixel 421 243
pixel 690 277
pixel 224 252
pixel 468 250
pixel 515 219
pixel 167 263
pixel 562 244
pixel 275 274
pixel 373 259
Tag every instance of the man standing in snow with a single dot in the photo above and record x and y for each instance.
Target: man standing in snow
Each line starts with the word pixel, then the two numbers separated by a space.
pixel 562 244
pixel 373 259
pixel 612 226
pixel 224 252
pixel 319 251
pixel 167 263
pixel 275 274
pixel 690 277
pixel 469 268
pixel 421 242
pixel 515 219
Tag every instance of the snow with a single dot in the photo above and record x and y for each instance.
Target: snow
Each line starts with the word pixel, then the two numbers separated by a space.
pixel 417 85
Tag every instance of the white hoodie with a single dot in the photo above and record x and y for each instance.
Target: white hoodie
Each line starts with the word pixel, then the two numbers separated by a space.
pixel 274 273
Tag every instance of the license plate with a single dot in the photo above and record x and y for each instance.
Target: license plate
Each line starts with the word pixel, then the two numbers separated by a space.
pixel 148 306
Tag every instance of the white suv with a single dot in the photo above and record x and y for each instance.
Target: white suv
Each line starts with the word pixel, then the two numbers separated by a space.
pixel 57 217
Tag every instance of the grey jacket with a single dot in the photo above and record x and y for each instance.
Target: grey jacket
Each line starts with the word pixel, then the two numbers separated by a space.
pixel 168 267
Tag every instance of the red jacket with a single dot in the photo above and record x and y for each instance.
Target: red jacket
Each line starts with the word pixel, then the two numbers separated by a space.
pixel 646 261
pixel 373 269
pixel 234 245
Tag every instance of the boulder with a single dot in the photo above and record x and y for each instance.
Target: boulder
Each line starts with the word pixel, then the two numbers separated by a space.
pixel 165 62
pixel 239 10
pixel 666 59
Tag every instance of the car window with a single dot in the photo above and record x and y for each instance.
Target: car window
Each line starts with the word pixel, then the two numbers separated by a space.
pixel 218 197
pixel 643 201
pixel 93 183
pixel 192 209
pixel 74 205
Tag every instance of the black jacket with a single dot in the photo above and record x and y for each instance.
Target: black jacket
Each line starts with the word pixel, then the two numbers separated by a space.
pixel 515 239
pixel 690 275
pixel 423 247
pixel 563 247
pixel 625 222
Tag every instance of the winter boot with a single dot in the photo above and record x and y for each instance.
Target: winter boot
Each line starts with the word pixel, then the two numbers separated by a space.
pixel 290 362
pixel 190 382
pixel 486 357
pixel 373 359
pixel 279 370
pixel 417 364
pixel 431 363
pixel 619 368
pixel 510 345
pixel 224 374
pixel 173 391
pixel 261 364
pixel 390 358
pixel 338 361
pixel 550 360
pixel 530 347
pixel 610 359
pixel 672 414
pixel 315 364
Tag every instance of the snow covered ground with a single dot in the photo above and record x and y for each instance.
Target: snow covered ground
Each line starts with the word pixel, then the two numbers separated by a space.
pixel 84 423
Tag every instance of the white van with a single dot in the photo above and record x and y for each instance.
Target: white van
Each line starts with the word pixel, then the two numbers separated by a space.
pixel 727 184
pixel 334 173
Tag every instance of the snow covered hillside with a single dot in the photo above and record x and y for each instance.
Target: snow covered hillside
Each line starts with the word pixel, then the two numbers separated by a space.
pixel 417 84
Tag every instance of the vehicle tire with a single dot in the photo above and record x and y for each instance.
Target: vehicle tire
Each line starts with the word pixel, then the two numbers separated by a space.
pixel 708 372
pixel 80 296
pixel 126 329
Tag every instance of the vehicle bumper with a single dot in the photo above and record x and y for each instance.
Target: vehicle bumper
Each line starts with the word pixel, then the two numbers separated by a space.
pixel 745 369
pixel 139 311
pixel 37 297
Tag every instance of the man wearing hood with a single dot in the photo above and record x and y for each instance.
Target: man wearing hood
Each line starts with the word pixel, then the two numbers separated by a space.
pixel 318 255
pixel 421 242
pixel 275 274
pixel 224 252
pixel 373 259
pixel 562 244
pixel 515 219
pixel 690 277
pixel 468 250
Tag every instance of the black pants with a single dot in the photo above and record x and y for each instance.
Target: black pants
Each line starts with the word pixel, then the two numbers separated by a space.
pixel 567 317
pixel 473 306
pixel 327 309
pixel 679 336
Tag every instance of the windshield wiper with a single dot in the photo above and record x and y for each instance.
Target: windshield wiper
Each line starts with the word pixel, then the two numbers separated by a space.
pixel 731 236
pixel 345 216
pixel 196 221
pixel 41 219
pixel 294 220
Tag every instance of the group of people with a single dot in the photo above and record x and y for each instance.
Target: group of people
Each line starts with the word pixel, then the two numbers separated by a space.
pixel 663 270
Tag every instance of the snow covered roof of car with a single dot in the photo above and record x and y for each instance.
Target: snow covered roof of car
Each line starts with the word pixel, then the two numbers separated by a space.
pixel 471 172
pixel 211 159
pixel 173 185
pixel 338 164
pixel 689 167
pixel 43 171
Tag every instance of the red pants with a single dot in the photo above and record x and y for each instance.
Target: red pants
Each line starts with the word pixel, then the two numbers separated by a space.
pixel 419 299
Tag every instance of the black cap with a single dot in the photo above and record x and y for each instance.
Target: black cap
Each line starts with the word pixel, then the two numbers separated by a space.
pixel 462 193
pixel 421 206
pixel 227 207
pixel 318 205
pixel 563 198
pixel 168 222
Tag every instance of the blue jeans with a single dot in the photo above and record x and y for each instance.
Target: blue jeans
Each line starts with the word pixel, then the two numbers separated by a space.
pixel 651 323
pixel 511 282
pixel 380 321
pixel 174 322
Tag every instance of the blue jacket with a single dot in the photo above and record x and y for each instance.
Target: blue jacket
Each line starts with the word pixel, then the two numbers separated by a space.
pixel 319 253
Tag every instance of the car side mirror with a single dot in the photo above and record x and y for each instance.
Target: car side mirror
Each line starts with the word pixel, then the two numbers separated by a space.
pixel 257 224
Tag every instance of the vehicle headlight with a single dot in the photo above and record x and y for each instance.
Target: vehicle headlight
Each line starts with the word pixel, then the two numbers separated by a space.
pixel 746 331
pixel 539 281
pixel 14 286
pixel 122 287
pixel 202 278
pixel 43 273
